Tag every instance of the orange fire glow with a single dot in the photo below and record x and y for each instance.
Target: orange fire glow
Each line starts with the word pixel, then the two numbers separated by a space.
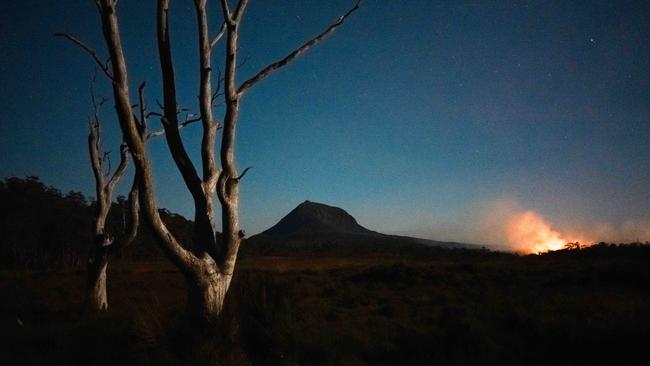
pixel 528 232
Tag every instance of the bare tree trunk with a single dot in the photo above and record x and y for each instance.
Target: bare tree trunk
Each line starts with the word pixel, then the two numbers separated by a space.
pixel 102 246
pixel 96 298
pixel 206 298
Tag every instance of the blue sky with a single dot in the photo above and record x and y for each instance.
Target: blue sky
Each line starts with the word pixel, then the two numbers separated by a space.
pixel 407 115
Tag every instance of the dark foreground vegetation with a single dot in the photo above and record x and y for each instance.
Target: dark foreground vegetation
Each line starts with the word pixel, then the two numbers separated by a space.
pixel 338 303
pixel 571 307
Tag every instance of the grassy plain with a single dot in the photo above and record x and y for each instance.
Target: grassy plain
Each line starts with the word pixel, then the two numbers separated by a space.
pixel 587 307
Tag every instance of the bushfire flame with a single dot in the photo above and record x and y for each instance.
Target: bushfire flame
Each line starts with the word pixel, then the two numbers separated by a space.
pixel 528 232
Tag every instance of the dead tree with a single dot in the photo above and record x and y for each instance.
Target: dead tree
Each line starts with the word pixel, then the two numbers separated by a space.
pixel 209 266
pixel 103 243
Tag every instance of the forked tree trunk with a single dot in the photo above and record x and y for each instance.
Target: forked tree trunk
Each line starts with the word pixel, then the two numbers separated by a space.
pixel 102 246
pixel 96 299
pixel 207 296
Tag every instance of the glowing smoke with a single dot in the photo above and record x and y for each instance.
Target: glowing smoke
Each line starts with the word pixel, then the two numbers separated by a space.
pixel 528 232
pixel 507 225
pixel 504 222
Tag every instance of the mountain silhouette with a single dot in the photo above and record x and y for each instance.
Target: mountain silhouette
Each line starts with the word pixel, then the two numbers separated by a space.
pixel 313 226
pixel 312 218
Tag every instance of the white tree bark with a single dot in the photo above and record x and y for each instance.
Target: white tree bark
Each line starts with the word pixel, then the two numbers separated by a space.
pixel 210 265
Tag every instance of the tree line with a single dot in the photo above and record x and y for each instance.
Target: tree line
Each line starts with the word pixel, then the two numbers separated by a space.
pixel 44 228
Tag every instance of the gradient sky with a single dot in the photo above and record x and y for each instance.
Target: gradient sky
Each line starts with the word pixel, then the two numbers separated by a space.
pixel 408 115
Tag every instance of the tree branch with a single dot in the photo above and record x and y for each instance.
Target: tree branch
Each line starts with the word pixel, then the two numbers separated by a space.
pixel 95 160
pixel 121 168
pixel 242 174
pixel 217 93
pixel 210 170
pixel 226 12
pixel 216 38
pixel 94 140
pixel 239 11
pixel 181 125
pixel 132 227
pixel 297 52
pixel 170 104
pixel 89 51
pixel 143 108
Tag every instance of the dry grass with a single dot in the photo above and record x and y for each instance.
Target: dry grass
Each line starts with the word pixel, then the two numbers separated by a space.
pixel 346 310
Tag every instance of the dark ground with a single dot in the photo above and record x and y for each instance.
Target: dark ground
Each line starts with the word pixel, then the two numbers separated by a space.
pixel 569 308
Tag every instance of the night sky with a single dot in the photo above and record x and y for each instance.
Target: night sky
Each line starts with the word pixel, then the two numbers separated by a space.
pixel 411 116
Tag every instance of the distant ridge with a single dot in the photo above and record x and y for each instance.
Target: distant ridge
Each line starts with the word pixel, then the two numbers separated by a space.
pixel 313 226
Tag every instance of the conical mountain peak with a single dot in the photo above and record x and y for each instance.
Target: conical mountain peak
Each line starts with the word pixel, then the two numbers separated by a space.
pixel 313 218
